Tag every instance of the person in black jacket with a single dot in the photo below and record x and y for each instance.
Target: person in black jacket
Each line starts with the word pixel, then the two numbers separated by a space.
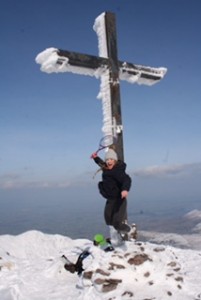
pixel 114 187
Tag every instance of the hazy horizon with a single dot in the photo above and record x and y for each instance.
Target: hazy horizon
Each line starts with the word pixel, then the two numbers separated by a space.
pixel 79 213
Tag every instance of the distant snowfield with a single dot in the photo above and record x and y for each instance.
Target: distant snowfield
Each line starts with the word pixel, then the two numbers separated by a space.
pixel 31 268
pixel 186 241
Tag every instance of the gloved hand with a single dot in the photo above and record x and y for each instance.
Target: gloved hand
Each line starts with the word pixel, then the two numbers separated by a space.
pixel 94 155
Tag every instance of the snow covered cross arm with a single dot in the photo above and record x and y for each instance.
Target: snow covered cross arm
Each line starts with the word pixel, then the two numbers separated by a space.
pixel 108 68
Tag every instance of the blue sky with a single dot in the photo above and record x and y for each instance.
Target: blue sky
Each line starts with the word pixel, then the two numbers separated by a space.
pixel 50 124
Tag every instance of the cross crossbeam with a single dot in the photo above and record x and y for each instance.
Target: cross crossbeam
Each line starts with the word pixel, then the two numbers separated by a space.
pixel 108 68
pixel 75 59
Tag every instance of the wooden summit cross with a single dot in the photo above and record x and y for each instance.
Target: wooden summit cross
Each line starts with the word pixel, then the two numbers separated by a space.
pixel 107 67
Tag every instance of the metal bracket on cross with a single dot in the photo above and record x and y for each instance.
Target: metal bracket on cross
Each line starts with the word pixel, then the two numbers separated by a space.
pixel 108 68
pixel 116 129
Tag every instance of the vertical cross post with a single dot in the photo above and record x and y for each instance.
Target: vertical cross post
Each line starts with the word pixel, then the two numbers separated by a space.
pixel 111 42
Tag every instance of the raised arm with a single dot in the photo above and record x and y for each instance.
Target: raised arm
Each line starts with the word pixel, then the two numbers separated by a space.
pixel 98 160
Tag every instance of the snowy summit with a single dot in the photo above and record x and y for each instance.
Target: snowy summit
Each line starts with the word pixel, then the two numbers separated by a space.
pixel 31 268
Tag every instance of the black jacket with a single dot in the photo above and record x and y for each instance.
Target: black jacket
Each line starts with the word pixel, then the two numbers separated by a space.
pixel 114 181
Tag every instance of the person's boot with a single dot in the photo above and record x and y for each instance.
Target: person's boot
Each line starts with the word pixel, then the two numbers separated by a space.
pixel 115 237
pixel 132 234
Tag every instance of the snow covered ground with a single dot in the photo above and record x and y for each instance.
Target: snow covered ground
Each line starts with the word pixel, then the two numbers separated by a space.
pixel 31 268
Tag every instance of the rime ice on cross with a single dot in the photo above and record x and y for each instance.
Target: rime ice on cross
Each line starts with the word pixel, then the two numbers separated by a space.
pixel 108 68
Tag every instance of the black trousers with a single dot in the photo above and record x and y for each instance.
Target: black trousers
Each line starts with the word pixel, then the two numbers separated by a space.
pixel 115 214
